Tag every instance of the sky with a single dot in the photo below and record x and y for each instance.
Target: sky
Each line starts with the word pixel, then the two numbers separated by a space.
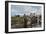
pixel 24 9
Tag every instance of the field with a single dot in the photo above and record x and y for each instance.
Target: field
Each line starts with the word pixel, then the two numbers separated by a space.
pixel 17 21
pixel 25 21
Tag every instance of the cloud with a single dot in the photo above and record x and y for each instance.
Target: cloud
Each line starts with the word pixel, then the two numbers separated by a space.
pixel 23 9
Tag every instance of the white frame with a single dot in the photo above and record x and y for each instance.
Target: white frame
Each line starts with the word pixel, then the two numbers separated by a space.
pixel 24 29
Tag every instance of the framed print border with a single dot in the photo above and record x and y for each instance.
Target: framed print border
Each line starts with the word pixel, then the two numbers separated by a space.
pixel 6 15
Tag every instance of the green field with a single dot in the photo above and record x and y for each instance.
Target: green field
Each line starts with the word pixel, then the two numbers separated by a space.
pixel 21 21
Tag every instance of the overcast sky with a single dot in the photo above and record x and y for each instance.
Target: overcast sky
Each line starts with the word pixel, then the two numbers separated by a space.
pixel 24 9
